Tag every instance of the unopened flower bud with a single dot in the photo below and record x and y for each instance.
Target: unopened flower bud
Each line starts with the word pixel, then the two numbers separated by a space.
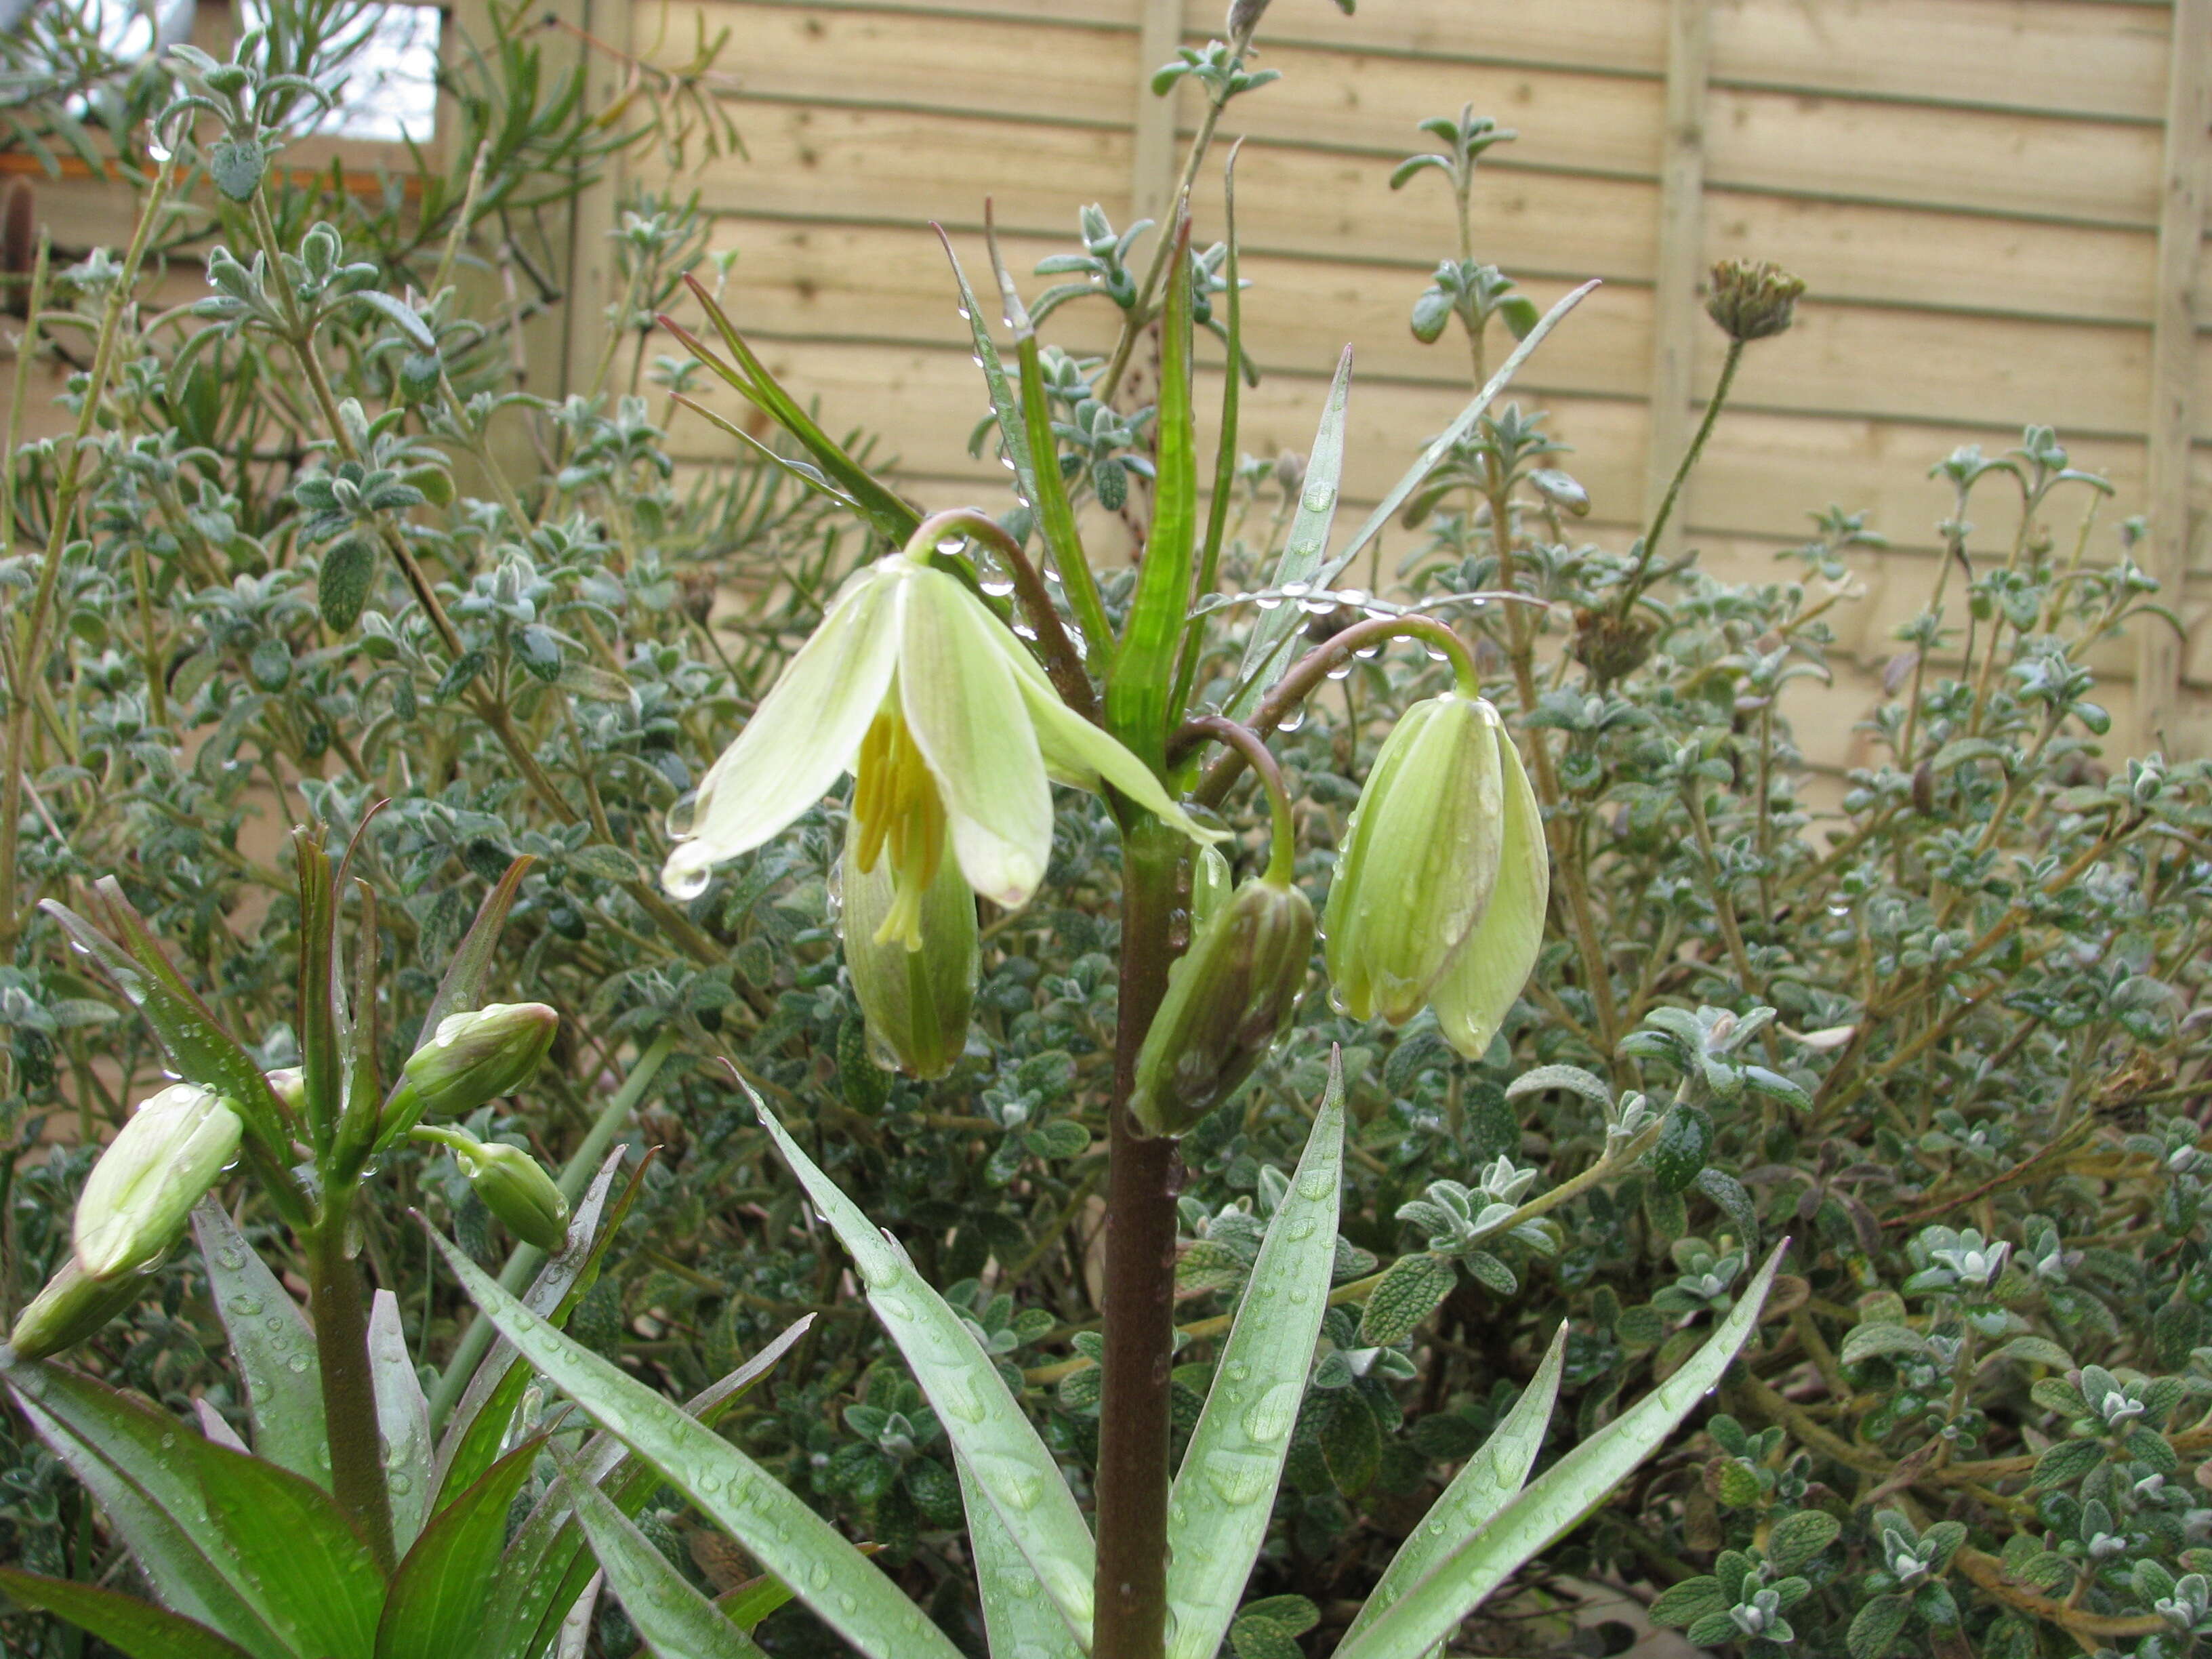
pixel 289 1084
pixel 513 1185
pixel 915 991
pixel 1752 300
pixel 473 1058
pixel 135 1202
pixel 73 1308
pixel 1227 999
pixel 1440 888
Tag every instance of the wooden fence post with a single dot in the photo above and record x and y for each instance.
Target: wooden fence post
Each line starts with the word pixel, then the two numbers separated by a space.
pixel 1674 320
pixel 2180 308
pixel 1153 125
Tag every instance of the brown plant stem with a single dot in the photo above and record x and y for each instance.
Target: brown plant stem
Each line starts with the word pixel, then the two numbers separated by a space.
pixel 1061 660
pixel 1142 1173
pixel 349 1394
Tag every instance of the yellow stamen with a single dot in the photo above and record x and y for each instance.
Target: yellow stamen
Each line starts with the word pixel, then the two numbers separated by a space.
pixel 897 809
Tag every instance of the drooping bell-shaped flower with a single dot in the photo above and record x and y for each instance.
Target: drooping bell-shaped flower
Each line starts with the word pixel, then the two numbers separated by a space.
pixel 136 1200
pixel 1441 884
pixel 954 730
pixel 514 1186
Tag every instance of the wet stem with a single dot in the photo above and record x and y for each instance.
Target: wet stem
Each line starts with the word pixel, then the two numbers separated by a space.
pixel 1139 1305
pixel 335 1290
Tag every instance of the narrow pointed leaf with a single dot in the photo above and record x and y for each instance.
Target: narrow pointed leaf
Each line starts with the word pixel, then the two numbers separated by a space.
pixel 548 1565
pixel 402 1416
pixel 1013 431
pixel 1017 1618
pixel 1224 448
pixel 134 1627
pixel 892 518
pixel 468 975
pixel 1488 1482
pixel 810 476
pixel 846 1590
pixel 442 1592
pixel 982 1418
pixel 197 1046
pixel 321 1584
pixel 1441 444
pixel 1055 514
pixel 473 1438
pixel 1225 1492
pixel 124 1451
pixel 272 1343
pixel 1144 663
pixel 1267 652
pixel 676 1621
pixel 1430 1610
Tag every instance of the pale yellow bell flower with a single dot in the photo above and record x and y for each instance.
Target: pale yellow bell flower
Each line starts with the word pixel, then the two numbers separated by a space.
pixel 955 733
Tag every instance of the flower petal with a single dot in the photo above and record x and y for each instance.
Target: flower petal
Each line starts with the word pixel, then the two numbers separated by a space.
pixel 800 739
pixel 1082 755
pixel 964 709
pixel 1480 983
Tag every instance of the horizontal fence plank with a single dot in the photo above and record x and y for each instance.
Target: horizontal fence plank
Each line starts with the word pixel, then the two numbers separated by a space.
pixel 879 166
pixel 892 285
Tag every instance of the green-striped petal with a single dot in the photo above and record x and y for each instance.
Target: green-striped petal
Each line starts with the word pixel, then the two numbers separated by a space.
pixel 1478 988
pixel 800 739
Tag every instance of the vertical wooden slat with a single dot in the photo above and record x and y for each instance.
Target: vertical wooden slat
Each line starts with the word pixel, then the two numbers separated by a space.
pixel 1675 317
pixel 2180 308
pixel 1152 153
pixel 593 277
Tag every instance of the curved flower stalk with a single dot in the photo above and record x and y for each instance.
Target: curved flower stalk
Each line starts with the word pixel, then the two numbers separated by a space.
pixel 1439 895
pixel 953 729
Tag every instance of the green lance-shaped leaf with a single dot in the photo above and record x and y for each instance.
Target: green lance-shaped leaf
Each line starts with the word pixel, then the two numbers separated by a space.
pixel 132 1626
pixel 1055 515
pixel 1017 1617
pixel 1267 652
pixel 1225 1492
pixel 845 1590
pixel 982 1418
pixel 469 974
pixel 548 1562
pixel 273 1344
pixel 124 1453
pixel 402 1417
pixel 1144 663
pixel 1488 1482
pixel 1432 1608
pixel 748 376
pixel 197 1046
pixel 436 1605
pixel 676 1621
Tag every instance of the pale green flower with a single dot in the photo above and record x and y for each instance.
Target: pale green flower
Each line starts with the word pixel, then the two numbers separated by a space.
pixel 1441 885
pixel 954 730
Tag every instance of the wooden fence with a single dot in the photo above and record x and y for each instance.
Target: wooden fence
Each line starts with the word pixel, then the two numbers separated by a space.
pixel 1999 207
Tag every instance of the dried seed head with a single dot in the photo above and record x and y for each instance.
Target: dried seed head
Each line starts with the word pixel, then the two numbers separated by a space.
pixel 1752 300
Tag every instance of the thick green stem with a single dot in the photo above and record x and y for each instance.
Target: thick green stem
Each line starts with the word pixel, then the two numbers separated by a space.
pixel 1139 1309
pixel 334 1289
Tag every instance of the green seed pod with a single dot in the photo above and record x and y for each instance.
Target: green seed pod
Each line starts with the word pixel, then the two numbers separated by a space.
pixel 135 1202
pixel 916 998
pixel 1228 998
pixel 473 1057
pixel 514 1186
pixel 73 1308
pixel 1420 858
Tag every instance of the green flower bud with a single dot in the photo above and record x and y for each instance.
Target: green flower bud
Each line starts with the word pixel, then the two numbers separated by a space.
pixel 473 1058
pixel 1228 998
pixel 289 1084
pixel 1751 301
pixel 135 1202
pixel 73 1308
pixel 1442 879
pixel 916 997
pixel 514 1186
